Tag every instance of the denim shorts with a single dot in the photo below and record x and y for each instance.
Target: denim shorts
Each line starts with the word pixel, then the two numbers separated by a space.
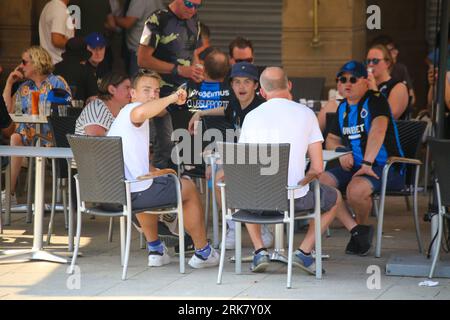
pixel 396 181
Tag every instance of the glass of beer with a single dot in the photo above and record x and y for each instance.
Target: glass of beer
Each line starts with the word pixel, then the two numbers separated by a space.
pixel 35 103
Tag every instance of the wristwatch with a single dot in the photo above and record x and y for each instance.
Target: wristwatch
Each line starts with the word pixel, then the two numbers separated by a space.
pixel 367 163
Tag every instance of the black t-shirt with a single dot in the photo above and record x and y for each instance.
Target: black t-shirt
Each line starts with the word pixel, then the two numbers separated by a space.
pixel 236 115
pixel 353 123
pixel 79 76
pixel 100 70
pixel 386 88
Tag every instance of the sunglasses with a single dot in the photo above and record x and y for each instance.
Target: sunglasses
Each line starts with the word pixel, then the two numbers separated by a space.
pixel 374 61
pixel 249 60
pixel 188 4
pixel 344 80
pixel 24 62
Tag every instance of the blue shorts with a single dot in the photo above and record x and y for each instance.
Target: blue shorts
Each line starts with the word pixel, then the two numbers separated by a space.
pixel 162 192
pixel 396 181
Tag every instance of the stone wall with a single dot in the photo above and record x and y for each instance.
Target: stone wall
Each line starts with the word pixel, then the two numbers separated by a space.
pixel 342 32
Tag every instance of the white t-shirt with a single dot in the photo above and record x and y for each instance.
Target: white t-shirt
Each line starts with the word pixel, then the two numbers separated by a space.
pixel 54 19
pixel 135 144
pixel 284 121
pixel 95 113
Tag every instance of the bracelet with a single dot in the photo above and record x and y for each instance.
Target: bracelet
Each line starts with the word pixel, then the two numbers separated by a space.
pixel 367 163
pixel 174 71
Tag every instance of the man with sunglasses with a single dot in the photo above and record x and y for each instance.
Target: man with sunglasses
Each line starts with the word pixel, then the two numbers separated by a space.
pixel 167 46
pixel 241 50
pixel 365 126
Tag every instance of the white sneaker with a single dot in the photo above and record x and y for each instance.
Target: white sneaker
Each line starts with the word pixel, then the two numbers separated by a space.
pixel 156 259
pixel 13 199
pixel 267 236
pixel 213 260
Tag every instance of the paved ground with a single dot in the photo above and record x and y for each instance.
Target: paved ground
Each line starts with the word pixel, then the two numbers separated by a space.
pixel 99 274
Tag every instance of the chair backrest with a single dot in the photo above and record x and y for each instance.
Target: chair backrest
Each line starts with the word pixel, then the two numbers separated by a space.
pixel 307 88
pixel 440 153
pixel 100 168
pixel 254 182
pixel 61 126
pixel 410 133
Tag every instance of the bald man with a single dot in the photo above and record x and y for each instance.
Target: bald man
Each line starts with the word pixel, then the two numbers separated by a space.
pixel 280 120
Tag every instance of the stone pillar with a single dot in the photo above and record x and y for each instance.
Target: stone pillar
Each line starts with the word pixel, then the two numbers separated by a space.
pixel 342 32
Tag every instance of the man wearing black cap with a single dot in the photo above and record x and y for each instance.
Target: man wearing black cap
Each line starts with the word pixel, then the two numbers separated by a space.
pixel 364 126
pixel 73 69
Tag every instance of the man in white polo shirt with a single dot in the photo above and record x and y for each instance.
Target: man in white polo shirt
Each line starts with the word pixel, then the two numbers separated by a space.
pixel 55 28
pixel 280 120
pixel 132 125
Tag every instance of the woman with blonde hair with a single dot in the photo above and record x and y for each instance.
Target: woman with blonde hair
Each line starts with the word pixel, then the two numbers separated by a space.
pixel 379 64
pixel 35 74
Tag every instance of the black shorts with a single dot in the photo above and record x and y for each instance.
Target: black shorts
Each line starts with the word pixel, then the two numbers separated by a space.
pixel 162 192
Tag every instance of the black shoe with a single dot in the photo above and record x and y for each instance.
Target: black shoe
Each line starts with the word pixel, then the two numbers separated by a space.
pixel 170 239
pixel 352 246
pixel 361 240
pixel 188 245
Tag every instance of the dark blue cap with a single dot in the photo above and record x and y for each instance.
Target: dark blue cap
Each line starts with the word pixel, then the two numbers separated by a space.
pixel 59 96
pixel 95 40
pixel 353 67
pixel 244 69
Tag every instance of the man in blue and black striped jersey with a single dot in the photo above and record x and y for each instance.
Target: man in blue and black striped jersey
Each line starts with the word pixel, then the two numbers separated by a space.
pixel 365 126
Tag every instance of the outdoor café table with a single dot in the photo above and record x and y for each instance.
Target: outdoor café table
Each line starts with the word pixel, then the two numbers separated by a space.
pixel 22 118
pixel 40 153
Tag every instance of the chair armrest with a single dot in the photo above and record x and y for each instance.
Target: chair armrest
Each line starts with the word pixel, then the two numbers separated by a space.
pixel 155 174
pixel 392 160
pixel 309 177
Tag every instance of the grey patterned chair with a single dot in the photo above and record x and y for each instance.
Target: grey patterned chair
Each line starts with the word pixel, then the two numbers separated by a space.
pixel 440 151
pixel 248 188
pixel 101 184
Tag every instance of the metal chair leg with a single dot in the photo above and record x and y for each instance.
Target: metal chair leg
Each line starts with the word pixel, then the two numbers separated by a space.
pixel 77 241
pixel 64 198
pixel 416 210
pixel 122 239
pixel 238 247
pixel 441 213
pixel 127 247
pixel 110 231
pixel 381 211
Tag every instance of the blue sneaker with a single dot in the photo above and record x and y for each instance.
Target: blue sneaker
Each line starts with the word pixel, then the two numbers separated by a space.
pixel 304 262
pixel 260 261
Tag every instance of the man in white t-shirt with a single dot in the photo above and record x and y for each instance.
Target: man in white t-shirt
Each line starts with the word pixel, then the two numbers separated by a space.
pixel 55 28
pixel 280 120
pixel 132 125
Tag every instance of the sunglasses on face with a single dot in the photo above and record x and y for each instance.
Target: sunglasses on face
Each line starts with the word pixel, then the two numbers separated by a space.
pixel 344 80
pixel 249 60
pixel 24 62
pixel 374 61
pixel 188 4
